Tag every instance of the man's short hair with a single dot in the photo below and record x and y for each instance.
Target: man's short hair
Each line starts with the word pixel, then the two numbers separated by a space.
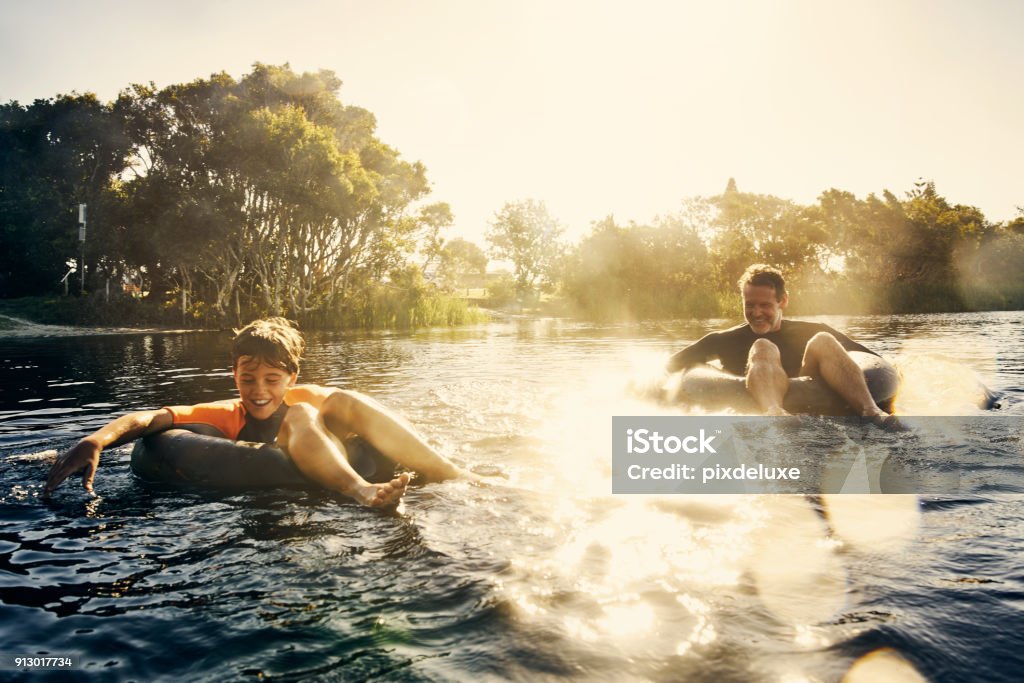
pixel 275 341
pixel 761 275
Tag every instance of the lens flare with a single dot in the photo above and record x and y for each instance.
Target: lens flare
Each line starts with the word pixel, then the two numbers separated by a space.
pixel 873 523
pixel 796 571
pixel 883 665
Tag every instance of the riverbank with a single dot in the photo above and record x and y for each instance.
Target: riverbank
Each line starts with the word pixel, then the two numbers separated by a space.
pixel 12 327
pixel 88 312
pixel 16 328
pixel 389 311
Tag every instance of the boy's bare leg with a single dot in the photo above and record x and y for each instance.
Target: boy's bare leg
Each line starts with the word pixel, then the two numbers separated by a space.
pixel 321 457
pixel 348 412
pixel 766 379
pixel 826 358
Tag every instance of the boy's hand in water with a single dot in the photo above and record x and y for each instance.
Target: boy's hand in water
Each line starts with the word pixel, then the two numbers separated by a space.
pixel 83 457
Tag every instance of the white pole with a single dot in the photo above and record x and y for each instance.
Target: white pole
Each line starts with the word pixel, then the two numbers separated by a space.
pixel 81 238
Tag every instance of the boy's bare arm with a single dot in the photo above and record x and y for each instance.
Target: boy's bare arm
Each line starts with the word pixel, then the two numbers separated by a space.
pixel 85 455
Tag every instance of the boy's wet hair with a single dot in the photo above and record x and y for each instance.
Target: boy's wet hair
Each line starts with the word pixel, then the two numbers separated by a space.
pixel 275 341
pixel 761 275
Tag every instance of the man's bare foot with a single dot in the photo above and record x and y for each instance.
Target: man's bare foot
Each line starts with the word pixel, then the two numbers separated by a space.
pixel 880 418
pixel 383 495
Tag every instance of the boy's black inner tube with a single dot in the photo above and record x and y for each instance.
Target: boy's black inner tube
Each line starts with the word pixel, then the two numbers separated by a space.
pixel 712 389
pixel 180 456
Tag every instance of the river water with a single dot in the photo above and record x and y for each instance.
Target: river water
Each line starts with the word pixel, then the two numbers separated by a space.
pixel 541 574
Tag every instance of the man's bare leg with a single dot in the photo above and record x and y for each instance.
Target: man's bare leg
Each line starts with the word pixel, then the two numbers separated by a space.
pixel 766 379
pixel 349 412
pixel 321 457
pixel 825 357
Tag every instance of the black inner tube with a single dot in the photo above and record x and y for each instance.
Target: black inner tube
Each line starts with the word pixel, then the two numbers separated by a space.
pixel 183 457
pixel 713 389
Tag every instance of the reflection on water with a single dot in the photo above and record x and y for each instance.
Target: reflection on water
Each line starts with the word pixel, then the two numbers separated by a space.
pixel 540 574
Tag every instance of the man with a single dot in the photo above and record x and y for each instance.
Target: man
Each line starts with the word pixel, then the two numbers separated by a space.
pixel 768 350
pixel 307 421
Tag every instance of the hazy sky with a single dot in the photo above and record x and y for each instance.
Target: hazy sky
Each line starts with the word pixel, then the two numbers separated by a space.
pixel 599 108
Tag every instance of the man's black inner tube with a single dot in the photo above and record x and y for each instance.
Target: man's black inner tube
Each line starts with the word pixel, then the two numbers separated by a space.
pixel 179 456
pixel 713 389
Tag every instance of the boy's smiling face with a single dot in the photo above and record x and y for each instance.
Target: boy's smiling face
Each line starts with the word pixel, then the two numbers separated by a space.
pixel 261 386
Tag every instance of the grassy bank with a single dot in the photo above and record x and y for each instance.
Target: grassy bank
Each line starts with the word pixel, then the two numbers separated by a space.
pixel 88 311
pixel 380 310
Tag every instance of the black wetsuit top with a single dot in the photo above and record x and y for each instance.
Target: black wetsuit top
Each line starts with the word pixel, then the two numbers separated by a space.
pixel 732 346
pixel 263 431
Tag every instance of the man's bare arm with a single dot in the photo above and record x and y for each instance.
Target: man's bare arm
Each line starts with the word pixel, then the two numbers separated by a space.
pixel 695 353
pixel 84 456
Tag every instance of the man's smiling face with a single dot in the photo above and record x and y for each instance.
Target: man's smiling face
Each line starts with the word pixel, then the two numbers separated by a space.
pixel 761 309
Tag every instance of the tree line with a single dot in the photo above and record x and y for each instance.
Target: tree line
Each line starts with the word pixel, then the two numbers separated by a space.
pixel 880 254
pixel 221 199
pixel 215 201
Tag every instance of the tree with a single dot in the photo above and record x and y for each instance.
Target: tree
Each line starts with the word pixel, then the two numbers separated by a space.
pixel 911 254
pixel 753 228
pixel 1017 224
pixel 54 154
pixel 283 195
pixel 462 264
pixel 641 271
pixel 265 193
pixel 525 234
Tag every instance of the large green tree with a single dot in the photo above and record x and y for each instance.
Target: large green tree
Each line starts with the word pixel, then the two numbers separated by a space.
pixel 281 194
pixel 526 234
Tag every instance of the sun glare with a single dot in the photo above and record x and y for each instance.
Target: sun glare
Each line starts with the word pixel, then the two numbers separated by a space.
pixel 796 571
pixel 883 665
pixel 873 523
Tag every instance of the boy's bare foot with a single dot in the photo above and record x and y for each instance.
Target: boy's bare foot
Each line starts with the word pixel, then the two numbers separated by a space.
pixel 383 495
pixel 776 411
pixel 889 423
pixel 874 411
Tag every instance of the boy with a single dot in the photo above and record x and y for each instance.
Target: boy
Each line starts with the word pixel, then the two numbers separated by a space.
pixel 306 421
